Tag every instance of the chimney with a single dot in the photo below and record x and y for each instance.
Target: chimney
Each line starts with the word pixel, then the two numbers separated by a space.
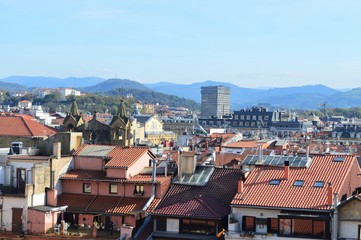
pixel 57 150
pixel 180 150
pixel 307 152
pixel 329 194
pixel 287 169
pixel 260 153
pixel 240 185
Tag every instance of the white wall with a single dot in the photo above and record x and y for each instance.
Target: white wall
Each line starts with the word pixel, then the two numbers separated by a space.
pixel 172 225
pixel 348 229
pixel 10 202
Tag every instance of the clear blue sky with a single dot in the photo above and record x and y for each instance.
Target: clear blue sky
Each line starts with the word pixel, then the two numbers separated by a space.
pixel 246 42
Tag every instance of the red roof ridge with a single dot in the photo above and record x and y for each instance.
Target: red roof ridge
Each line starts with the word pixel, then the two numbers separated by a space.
pixel 26 124
pixel 204 204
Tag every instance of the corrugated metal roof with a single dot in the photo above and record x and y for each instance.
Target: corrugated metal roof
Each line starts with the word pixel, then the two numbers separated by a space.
pixel 95 151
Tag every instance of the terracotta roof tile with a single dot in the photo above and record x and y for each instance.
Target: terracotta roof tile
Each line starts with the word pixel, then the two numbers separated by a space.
pixel 126 156
pixel 120 157
pixel 221 188
pixel 101 204
pixel 23 125
pixel 75 202
pixel 258 191
pixel 198 207
pixel 96 175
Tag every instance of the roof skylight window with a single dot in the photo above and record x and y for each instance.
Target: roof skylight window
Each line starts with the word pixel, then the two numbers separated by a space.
pixel 338 159
pixel 275 182
pixel 298 183
pixel 319 184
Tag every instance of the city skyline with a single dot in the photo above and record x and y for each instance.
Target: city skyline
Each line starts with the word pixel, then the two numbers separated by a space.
pixel 250 44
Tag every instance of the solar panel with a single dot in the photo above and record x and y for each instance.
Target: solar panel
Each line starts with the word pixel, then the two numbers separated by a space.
pixel 277 161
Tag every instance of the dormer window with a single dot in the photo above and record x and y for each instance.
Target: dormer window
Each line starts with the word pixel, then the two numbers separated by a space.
pixel 319 184
pixel 275 182
pixel 298 183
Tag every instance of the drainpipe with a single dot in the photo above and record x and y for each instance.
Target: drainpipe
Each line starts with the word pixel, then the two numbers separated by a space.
pixel 154 173
pixel 335 218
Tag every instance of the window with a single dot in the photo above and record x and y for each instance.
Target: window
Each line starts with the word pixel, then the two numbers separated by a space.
pixel 275 182
pixel 304 227
pixel 240 124
pixel 249 223
pixel 319 184
pixel 242 117
pixel 260 118
pixel 139 190
pixel 236 117
pixel 254 117
pixel 266 118
pixel 253 124
pixel 87 188
pixel 272 225
pixel 298 183
pixel 198 226
pixel 248 117
pixel 246 124
pixel 113 188
pixel 234 123
pixel 338 159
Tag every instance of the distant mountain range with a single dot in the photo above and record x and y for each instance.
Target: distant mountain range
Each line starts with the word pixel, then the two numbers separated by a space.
pixel 301 97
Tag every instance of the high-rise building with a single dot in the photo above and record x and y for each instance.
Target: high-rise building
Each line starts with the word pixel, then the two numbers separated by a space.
pixel 215 101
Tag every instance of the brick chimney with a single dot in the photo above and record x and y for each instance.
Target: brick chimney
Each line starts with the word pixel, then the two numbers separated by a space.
pixel 329 194
pixel 240 185
pixel 287 169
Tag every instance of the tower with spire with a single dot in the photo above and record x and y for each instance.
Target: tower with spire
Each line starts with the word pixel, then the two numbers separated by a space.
pixel 73 120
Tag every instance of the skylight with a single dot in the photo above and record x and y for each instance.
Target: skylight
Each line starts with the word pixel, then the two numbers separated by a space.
pixel 319 184
pixel 298 183
pixel 338 159
pixel 275 182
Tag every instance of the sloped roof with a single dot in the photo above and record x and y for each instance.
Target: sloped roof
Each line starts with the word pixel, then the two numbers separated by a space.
pixel 120 157
pixel 216 194
pixel 94 204
pixel 95 175
pixel 198 207
pixel 125 156
pixel 259 193
pixel 23 126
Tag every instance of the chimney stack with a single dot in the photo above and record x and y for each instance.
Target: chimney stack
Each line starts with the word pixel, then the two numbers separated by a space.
pixel 240 185
pixel 57 150
pixel 287 169
pixel 329 194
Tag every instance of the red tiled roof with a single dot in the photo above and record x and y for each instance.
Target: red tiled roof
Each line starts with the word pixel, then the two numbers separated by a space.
pixel 126 156
pixel 75 202
pixel 220 189
pixel 24 126
pixel 224 136
pixel 95 175
pixel 258 191
pixel 198 207
pixel 120 157
pixel 86 175
pixel 101 204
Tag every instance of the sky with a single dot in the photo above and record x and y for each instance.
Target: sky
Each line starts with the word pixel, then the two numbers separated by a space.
pixel 262 43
